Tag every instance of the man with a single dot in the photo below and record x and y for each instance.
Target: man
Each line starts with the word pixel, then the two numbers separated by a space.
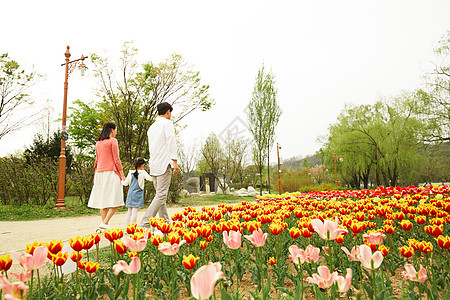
pixel 163 157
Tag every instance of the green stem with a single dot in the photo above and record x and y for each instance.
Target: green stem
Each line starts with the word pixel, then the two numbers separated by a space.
pixel 300 277
pixel 237 273
pixel 374 283
pixel 173 278
pixel 31 285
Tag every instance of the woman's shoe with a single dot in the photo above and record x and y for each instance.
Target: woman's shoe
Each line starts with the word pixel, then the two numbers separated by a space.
pixel 104 226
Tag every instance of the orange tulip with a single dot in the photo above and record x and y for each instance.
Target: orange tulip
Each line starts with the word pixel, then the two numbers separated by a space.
pixel 89 241
pixel 434 230
pixel 389 229
pixel 203 244
pixel 164 227
pixel 443 242
pixel 205 231
pixel 356 227
pixel 60 258
pixel 253 225
pixel 30 247
pixel 209 239
pixel 113 234
pixel 272 261
pixel 414 244
pixel 275 228
pixel 91 267
pixel 131 228
pixel 81 265
pixel 97 237
pixel 77 243
pixel 54 246
pixel 425 247
pixel 132 254
pixel 306 233
pixel 156 240
pixel 340 239
pixel 295 232
pixel 384 250
pixel 76 256
pixel 190 237
pixel 120 247
pixel 173 238
pixel 190 261
pixel 420 220
pixel 406 225
pixel 5 262
pixel 406 251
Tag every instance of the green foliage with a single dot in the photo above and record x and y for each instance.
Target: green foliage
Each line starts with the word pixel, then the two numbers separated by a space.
pixel 15 84
pixel 51 148
pixel 27 183
pixel 129 97
pixel 85 125
pixel 263 116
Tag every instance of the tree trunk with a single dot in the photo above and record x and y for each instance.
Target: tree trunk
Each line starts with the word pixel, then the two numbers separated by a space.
pixel 268 169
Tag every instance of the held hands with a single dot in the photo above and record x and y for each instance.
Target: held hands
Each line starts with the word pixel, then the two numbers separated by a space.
pixel 176 169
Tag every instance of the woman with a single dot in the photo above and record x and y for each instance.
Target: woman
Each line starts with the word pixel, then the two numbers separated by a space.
pixel 107 193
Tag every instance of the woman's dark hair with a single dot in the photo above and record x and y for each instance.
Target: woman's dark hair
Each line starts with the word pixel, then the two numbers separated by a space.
pixel 163 107
pixel 137 163
pixel 106 131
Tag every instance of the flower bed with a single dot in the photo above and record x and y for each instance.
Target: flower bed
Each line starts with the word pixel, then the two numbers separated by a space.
pixel 317 245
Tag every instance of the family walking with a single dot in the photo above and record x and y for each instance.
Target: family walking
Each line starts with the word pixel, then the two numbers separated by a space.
pixel 109 178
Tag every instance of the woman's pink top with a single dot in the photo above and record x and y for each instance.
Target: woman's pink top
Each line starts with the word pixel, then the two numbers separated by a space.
pixel 107 156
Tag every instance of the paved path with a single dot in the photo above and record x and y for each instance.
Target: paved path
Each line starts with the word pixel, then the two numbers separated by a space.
pixel 14 236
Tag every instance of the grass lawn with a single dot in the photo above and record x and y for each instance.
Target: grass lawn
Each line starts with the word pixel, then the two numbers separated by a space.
pixel 74 208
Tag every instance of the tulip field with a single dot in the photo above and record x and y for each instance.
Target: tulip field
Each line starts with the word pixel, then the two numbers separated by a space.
pixel 384 243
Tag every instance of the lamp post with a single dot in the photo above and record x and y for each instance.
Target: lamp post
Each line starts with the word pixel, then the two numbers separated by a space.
pixel 70 66
pixel 279 170
pixel 335 170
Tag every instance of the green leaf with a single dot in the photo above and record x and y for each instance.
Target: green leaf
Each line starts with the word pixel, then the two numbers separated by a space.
pixel 225 295
pixel 368 289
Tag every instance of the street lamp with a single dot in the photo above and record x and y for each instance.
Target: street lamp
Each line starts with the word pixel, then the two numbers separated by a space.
pixel 70 66
pixel 335 170
pixel 279 171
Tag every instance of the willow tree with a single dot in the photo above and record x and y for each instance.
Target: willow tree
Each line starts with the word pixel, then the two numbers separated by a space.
pixel 263 116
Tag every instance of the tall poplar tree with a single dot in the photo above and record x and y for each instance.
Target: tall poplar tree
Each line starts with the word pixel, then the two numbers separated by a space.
pixel 264 114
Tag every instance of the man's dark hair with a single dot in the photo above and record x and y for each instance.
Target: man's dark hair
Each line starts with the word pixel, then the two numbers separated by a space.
pixel 163 107
pixel 104 135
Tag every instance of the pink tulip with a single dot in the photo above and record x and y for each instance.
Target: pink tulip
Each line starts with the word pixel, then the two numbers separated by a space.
pixel 25 276
pixel 233 240
pixel 134 246
pixel 344 284
pixel 328 230
pixel 168 249
pixel 368 260
pixel 375 238
pixel 13 291
pixel 297 255
pixel 257 238
pixel 353 256
pixel 324 279
pixel 413 275
pixel 312 253
pixel 32 261
pixel 133 268
pixel 204 280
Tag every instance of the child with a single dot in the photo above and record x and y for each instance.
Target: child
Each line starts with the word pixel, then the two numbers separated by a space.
pixel 135 197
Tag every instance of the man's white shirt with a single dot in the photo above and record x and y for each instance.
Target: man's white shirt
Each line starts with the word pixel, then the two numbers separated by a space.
pixel 162 146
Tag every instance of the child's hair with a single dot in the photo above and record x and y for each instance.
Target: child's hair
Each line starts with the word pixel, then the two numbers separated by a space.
pixel 137 163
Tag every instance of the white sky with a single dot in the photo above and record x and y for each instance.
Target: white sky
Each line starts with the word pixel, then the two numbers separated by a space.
pixel 323 53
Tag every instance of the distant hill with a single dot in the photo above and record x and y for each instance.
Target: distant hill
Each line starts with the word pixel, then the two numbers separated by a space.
pixel 298 162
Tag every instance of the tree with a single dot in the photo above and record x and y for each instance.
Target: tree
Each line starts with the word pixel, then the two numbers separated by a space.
pixel 130 95
pixel 188 156
pixel 42 148
pixel 15 84
pixel 214 160
pixel 85 124
pixel 382 138
pixel 263 117
pixel 435 101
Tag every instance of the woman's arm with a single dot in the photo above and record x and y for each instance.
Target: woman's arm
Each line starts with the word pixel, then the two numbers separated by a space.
pixel 127 181
pixel 116 158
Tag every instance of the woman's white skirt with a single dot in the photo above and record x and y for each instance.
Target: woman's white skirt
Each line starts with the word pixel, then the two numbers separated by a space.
pixel 107 191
